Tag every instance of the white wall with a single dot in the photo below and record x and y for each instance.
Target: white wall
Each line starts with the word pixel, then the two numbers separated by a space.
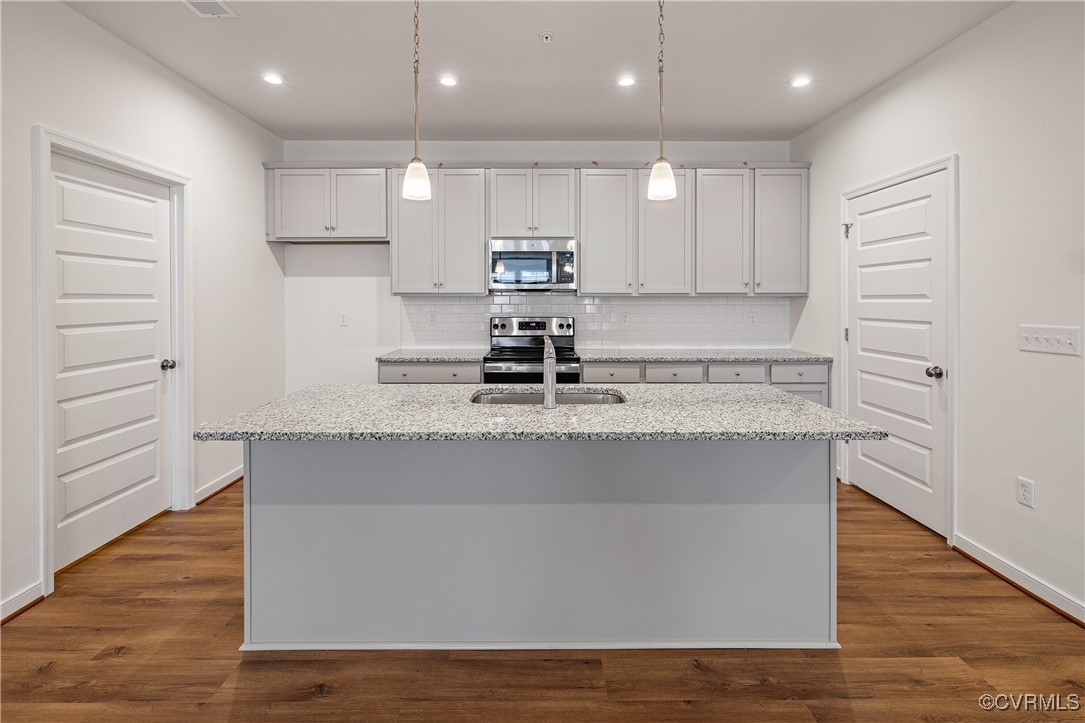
pixel 321 281
pixel 66 73
pixel 1008 98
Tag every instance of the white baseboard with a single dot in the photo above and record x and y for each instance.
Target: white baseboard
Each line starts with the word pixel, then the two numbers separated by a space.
pixel 1056 598
pixel 20 600
pixel 212 487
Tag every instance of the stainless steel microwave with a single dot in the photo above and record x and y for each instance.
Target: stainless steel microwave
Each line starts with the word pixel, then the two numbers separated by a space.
pixel 533 264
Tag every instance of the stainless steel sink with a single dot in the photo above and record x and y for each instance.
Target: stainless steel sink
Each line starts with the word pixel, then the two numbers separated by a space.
pixel 537 398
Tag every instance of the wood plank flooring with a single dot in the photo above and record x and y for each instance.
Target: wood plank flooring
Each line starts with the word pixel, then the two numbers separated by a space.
pixel 148 628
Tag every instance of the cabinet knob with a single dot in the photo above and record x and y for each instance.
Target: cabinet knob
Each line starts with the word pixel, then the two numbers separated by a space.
pixel 454 374
pixel 442 283
pixel 333 228
pixel 800 372
pixel 434 283
pixel 738 374
pixel 746 283
pixel 630 283
pixel 612 374
pixel 327 228
pixel 674 374
pixel 759 284
pixel 404 373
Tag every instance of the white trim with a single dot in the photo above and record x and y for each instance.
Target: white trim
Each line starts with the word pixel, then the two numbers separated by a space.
pixel 21 599
pixel 551 645
pixel 46 142
pixel 950 165
pixel 1039 588
pixel 212 487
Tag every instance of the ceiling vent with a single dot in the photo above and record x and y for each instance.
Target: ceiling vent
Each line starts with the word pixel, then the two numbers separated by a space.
pixel 210 9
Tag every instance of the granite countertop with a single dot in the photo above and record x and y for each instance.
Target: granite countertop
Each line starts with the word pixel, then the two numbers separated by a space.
pixel 621 355
pixel 700 355
pixel 445 412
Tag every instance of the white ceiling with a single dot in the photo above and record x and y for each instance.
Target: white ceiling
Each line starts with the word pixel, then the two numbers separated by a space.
pixel 348 64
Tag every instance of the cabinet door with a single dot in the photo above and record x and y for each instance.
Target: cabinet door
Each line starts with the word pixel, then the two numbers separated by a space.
pixel 554 203
pixel 780 230
pixel 607 233
pixel 414 240
pixel 462 234
pixel 665 239
pixel 724 231
pixel 510 203
pixel 359 203
pixel 814 392
pixel 301 203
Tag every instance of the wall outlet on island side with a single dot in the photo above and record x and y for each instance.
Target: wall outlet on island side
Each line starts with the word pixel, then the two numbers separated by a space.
pixel 753 318
pixel 1026 492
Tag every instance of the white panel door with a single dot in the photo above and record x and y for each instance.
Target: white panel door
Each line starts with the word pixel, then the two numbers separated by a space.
pixel 301 203
pixel 780 230
pixel 897 316
pixel 414 239
pixel 665 239
pixel 554 203
pixel 724 230
pixel 359 203
pixel 462 235
pixel 510 203
pixel 108 252
pixel 607 231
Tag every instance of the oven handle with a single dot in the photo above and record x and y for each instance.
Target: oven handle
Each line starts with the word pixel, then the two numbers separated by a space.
pixel 529 367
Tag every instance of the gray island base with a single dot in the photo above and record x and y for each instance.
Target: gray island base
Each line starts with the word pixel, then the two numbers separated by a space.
pixel 407 517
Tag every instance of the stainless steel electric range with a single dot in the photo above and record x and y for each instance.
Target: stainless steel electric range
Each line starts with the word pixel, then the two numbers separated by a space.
pixel 516 349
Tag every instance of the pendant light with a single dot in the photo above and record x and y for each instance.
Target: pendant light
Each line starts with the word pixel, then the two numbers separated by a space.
pixel 661 186
pixel 416 179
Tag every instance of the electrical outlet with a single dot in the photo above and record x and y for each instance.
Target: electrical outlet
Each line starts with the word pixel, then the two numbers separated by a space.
pixel 433 317
pixel 1026 492
pixel 753 318
pixel 342 318
pixel 625 319
pixel 1049 339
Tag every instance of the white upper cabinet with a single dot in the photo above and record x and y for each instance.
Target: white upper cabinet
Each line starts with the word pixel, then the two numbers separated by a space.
pixel 414 256
pixel 781 198
pixel 608 215
pixel 462 231
pixel 665 238
pixel 724 231
pixel 532 202
pixel 338 203
pixel 438 246
pixel 752 231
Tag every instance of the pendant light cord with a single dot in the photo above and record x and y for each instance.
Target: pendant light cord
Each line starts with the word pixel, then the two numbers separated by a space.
pixel 661 38
pixel 416 157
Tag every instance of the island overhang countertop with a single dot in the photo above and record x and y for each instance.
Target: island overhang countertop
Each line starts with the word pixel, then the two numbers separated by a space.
pixel 415 412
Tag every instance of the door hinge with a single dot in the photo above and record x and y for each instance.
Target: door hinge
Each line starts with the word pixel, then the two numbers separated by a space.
pixel 845 333
pixel 847 229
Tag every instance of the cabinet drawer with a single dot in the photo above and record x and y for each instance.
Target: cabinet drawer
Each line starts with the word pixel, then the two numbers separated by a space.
pixel 430 373
pixel 680 373
pixel 736 373
pixel 618 374
pixel 814 392
pixel 800 373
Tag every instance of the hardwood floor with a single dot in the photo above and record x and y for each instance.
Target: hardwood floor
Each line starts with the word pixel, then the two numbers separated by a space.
pixel 147 629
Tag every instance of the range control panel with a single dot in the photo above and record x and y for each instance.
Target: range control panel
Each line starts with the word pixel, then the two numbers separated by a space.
pixel 531 326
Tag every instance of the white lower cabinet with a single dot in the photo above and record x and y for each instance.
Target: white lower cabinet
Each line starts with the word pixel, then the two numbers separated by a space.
pixel 429 373
pixel 807 380
pixel 438 246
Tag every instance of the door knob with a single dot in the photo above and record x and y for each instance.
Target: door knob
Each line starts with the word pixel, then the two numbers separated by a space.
pixel 935 372
pixel 168 364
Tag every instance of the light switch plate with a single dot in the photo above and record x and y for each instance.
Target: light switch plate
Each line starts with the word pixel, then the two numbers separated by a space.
pixel 1049 339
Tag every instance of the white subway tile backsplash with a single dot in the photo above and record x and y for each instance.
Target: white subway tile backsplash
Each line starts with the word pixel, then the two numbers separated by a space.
pixel 653 322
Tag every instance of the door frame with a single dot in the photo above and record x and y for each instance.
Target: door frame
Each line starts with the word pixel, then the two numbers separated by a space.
pixel 46 142
pixel 950 165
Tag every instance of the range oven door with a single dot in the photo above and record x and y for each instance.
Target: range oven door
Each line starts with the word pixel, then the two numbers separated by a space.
pixel 532 265
pixel 527 373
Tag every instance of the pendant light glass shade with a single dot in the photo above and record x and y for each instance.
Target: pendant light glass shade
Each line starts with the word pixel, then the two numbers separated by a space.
pixel 416 179
pixel 661 185
pixel 416 182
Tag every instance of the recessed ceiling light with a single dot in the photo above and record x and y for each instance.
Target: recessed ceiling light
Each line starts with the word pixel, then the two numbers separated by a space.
pixel 626 80
pixel 800 81
pixel 448 80
pixel 273 78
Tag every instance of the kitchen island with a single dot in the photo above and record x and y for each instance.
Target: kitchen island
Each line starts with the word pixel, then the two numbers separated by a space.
pixel 408 516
